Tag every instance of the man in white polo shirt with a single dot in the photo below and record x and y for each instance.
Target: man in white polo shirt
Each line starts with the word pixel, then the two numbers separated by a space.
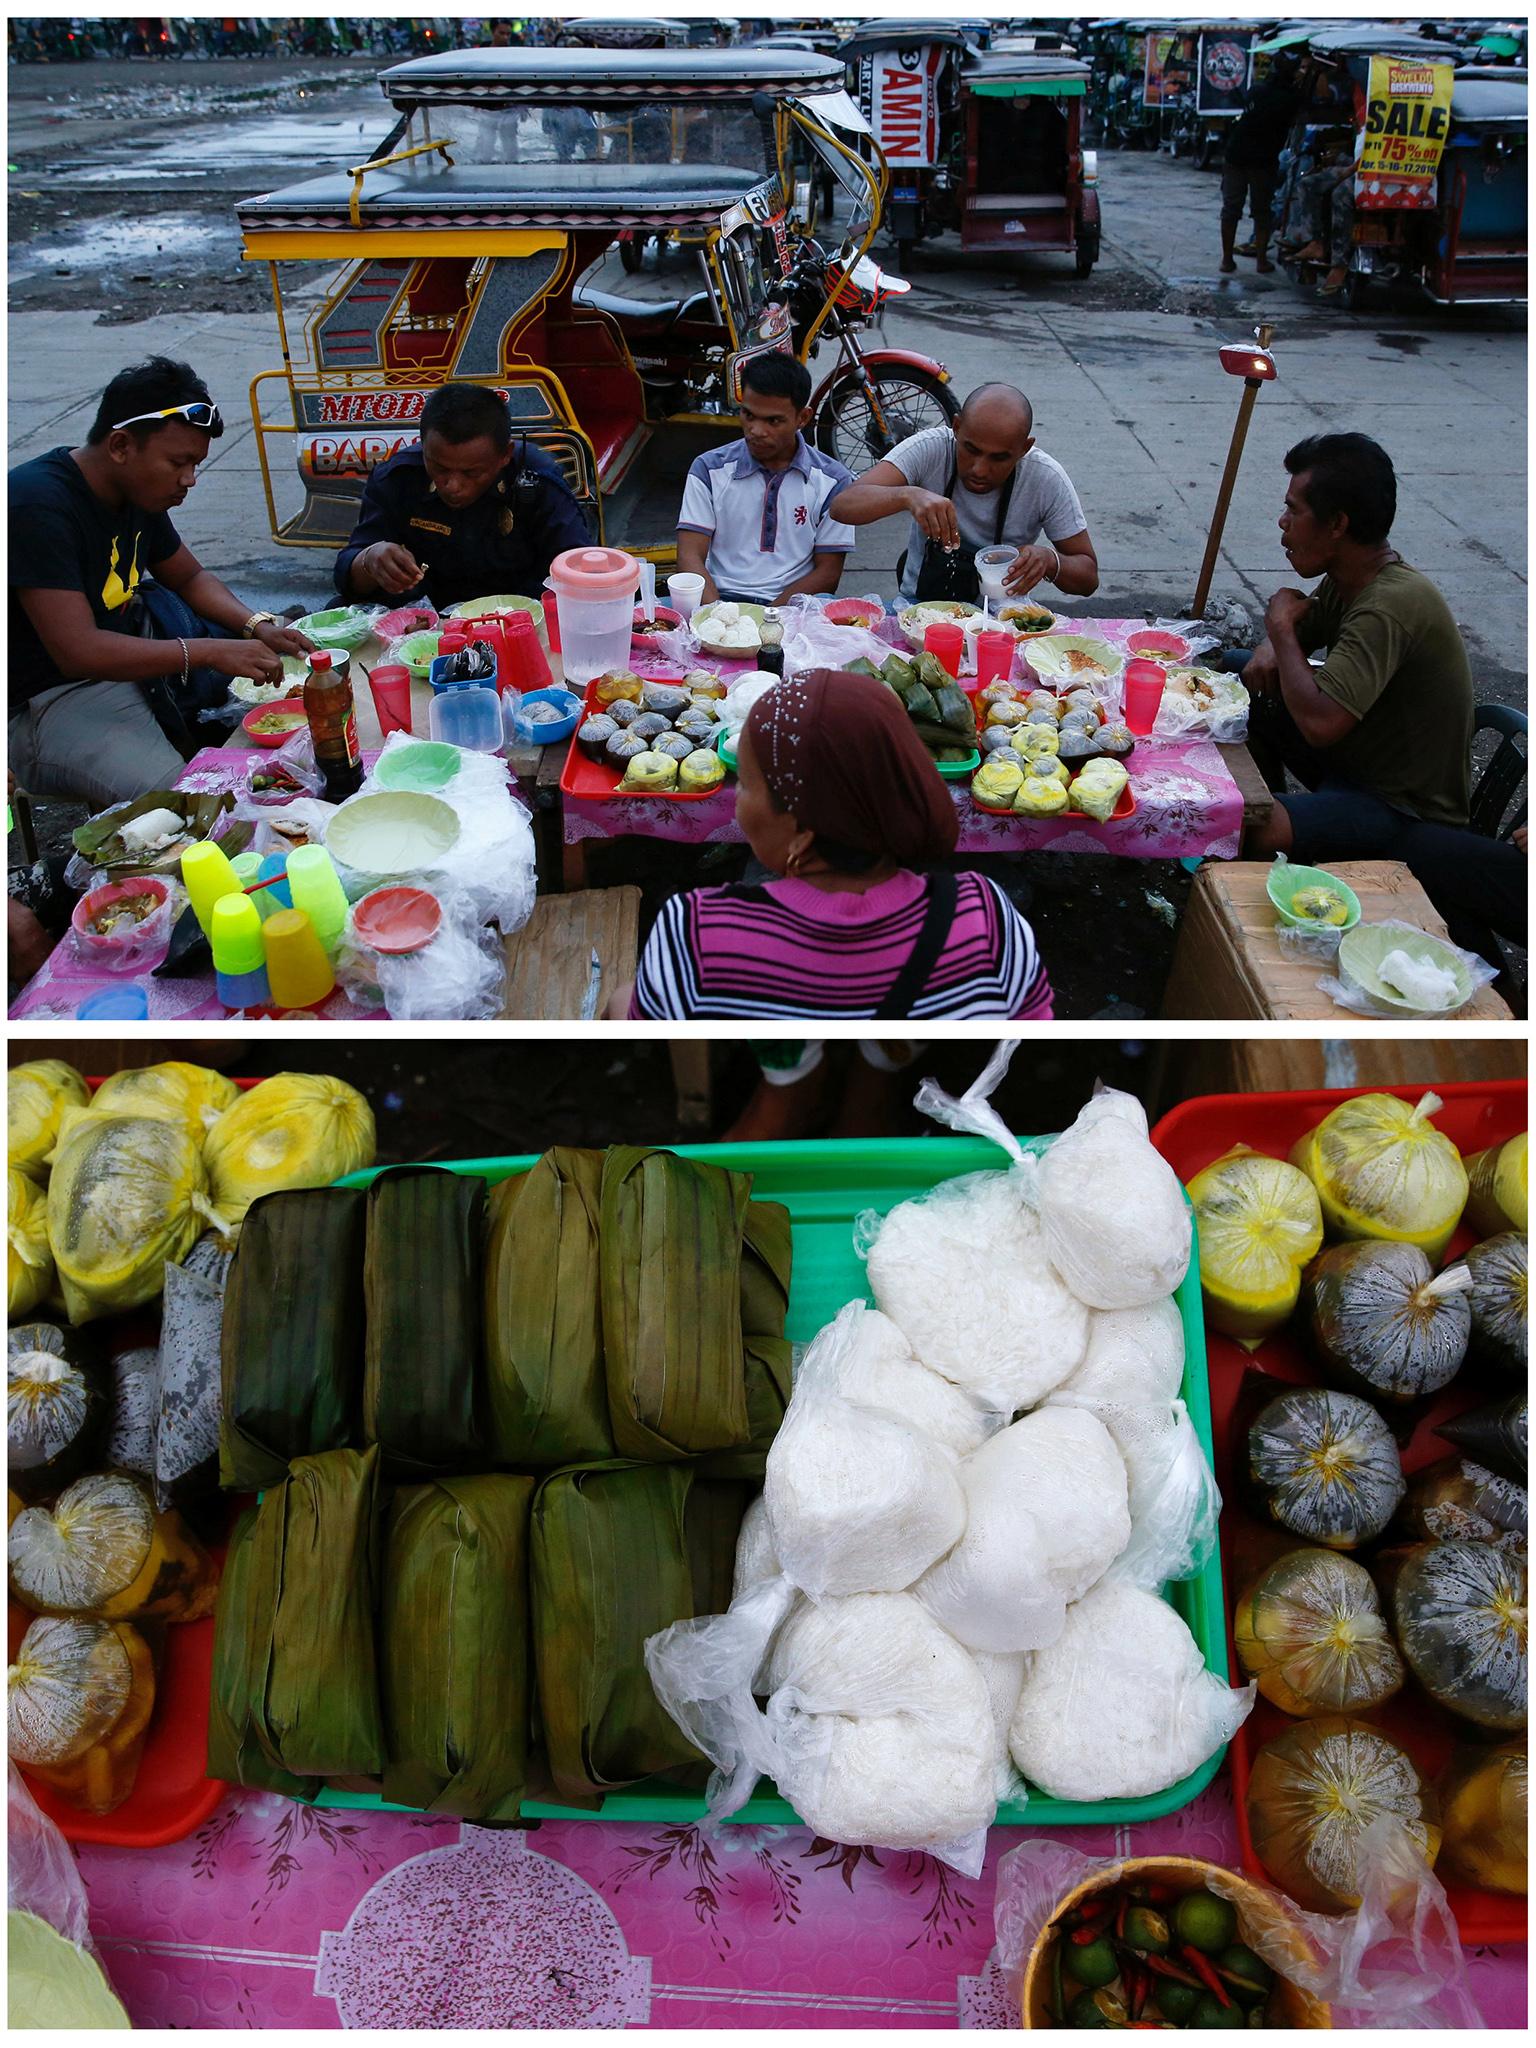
pixel 754 522
pixel 981 483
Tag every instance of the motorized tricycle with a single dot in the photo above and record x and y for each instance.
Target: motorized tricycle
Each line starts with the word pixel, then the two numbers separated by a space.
pixel 1434 154
pixel 466 249
pixel 984 143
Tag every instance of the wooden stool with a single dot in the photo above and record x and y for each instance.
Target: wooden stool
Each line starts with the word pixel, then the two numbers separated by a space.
pixel 1229 963
pixel 549 962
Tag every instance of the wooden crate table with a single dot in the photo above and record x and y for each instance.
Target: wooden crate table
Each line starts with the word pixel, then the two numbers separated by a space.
pixel 1229 962
pixel 549 962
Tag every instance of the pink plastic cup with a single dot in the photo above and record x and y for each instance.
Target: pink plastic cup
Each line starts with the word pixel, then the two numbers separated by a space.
pixel 551 617
pixel 390 684
pixel 946 644
pixel 1144 681
pixel 994 658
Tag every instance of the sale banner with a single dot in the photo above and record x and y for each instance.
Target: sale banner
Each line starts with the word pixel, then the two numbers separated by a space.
pixel 900 92
pixel 1407 120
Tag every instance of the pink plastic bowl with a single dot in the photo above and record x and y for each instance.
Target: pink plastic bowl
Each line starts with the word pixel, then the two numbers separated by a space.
pixel 107 947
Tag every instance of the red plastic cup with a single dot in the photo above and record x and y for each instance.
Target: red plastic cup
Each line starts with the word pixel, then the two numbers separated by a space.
pixel 527 665
pixel 551 617
pixel 1144 681
pixel 390 684
pixel 994 658
pixel 947 644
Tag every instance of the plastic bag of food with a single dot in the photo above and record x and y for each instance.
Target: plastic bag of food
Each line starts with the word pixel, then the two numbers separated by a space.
pixel 1259 1223
pixel 1115 1218
pixel 290 1131
pixel 29 1262
pixel 175 1091
pixel 41 1874
pixel 1431 986
pixel 37 1093
pixel 1397 1963
pixel 1381 1169
pixel 810 642
pixel 127 1195
pixel 1121 1705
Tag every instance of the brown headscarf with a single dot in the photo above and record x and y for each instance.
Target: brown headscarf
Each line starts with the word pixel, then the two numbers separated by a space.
pixel 838 752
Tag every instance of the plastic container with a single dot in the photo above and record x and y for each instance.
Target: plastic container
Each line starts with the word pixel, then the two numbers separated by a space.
pixel 596 781
pixel 467 715
pixel 120 949
pixel 1143 686
pixel 991 566
pixel 315 888
pixel 298 970
pixel 1286 881
pixel 994 658
pixel 521 733
pixel 206 875
pixel 390 687
pixel 946 644
pixel 595 590
pixel 114 1005
pixel 686 590
pixel 1475 1115
pixel 825 1184
pixel 279 896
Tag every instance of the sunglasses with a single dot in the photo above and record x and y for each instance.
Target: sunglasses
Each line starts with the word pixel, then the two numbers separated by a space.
pixel 198 413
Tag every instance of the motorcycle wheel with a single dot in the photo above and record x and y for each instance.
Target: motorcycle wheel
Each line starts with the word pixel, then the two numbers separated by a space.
pixel 631 253
pixel 847 429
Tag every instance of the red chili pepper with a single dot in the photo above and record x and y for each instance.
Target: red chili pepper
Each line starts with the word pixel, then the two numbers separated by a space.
pixel 1137 1984
pixel 1120 1912
pixel 1160 1894
pixel 1081 1936
pixel 1206 1973
pixel 1161 1967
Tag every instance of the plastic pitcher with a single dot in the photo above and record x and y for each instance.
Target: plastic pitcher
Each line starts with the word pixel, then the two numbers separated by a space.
pixel 595 597
pixel 468 715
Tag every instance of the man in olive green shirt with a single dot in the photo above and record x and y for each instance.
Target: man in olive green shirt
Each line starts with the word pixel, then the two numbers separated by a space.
pixel 1381 733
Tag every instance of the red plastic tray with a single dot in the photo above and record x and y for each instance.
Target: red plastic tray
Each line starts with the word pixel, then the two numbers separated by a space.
pixel 1476 1114
pixel 596 781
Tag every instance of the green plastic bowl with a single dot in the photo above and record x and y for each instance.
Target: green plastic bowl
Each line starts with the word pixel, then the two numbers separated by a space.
pixel 430 764
pixel 347 627
pixel 725 747
pixel 959 771
pixel 418 651
pixel 1362 951
pixel 1286 882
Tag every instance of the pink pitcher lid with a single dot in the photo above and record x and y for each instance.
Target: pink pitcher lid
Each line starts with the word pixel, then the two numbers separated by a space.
pixel 595 572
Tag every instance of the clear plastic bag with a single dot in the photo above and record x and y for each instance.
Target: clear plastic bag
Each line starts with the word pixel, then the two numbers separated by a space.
pixel 1114 1217
pixel 144 945
pixel 1349 995
pixel 733 707
pixel 1397 1962
pixel 459 975
pixel 1225 720
pixel 810 642
pixel 41 1874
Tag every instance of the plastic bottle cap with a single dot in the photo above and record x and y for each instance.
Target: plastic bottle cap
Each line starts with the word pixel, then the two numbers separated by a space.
pixel 319 661
pixel 235 935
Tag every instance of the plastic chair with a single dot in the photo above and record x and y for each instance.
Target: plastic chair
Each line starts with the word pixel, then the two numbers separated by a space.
pixel 1500 781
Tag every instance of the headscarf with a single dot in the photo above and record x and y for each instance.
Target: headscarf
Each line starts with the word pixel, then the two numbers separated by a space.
pixel 839 753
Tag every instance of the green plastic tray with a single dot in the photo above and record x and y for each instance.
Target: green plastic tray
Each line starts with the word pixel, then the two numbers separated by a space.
pixel 824 1186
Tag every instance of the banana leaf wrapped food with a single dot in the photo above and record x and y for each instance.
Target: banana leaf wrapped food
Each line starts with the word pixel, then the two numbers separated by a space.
pixel 289 1131
pixel 1498 1187
pixel 102 1550
pixel 58 1413
pixel 291 1350
pixel 175 1090
pixel 671 1271
pixel 1497 1436
pixel 454 1664
pixel 1382 1170
pixel 295 1683
pixel 37 1093
pixel 613 1564
pixel 79 1699
pixel 1381 1322
pixel 546 1392
pixel 128 1194
pixel 766 1259
pixel 29 1261
pixel 423 1278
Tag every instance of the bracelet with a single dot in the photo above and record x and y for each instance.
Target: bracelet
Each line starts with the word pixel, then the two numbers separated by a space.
pixel 1056 572
pixel 186 662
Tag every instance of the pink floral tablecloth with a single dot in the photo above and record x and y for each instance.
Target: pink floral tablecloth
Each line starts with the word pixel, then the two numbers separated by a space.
pixel 276 1915
pixel 1187 804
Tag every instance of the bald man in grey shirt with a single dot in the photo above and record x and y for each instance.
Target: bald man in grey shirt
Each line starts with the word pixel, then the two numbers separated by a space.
pixel 954 483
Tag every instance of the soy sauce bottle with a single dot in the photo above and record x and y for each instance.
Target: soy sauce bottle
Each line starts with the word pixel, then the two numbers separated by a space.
pixel 333 726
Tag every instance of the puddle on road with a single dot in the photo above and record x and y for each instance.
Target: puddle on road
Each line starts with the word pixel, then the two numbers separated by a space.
pixel 213 148
pixel 137 245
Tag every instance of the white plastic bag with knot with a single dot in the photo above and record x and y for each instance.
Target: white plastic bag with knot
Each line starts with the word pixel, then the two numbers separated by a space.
pixel 1433 986
pixel 460 974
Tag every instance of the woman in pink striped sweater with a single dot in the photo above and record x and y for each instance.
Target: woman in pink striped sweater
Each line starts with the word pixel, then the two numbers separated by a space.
pixel 840 799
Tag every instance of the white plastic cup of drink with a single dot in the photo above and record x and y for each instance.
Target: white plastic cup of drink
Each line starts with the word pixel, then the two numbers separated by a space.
pixel 684 592
pixel 991 566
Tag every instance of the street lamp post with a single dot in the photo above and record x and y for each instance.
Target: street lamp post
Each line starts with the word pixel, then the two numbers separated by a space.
pixel 1256 366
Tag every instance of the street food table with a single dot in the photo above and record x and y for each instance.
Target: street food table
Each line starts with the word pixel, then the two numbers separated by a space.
pixel 278 1915
pixel 1229 961
pixel 1193 798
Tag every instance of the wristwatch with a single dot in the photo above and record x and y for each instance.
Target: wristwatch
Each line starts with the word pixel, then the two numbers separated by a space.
pixel 248 630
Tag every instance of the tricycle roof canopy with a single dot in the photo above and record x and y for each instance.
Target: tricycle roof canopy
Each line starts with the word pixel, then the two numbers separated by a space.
pixel 1490 97
pixel 1010 76
pixel 560 77
pixel 902 35
pixel 1377 39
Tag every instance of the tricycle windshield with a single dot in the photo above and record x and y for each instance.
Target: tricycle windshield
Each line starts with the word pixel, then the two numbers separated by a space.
pixel 844 142
pixel 726 137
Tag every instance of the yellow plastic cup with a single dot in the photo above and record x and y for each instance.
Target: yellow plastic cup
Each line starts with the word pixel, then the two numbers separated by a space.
pixel 207 875
pixel 298 972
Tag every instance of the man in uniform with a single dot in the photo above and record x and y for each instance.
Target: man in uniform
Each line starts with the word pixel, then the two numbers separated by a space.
pixel 470 511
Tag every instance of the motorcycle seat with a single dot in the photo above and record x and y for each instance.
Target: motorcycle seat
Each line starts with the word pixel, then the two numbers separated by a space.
pixel 636 316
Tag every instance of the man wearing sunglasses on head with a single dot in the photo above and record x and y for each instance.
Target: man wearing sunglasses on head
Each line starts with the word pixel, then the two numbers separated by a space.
pixel 117 631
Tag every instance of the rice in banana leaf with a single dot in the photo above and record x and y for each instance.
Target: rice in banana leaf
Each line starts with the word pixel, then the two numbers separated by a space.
pixel 612 1565
pixel 422 1275
pixel 300 1677
pixel 765 1267
pixel 546 1394
pixel 240 1653
pixel 671 1270
pixel 453 1646
pixel 292 1343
